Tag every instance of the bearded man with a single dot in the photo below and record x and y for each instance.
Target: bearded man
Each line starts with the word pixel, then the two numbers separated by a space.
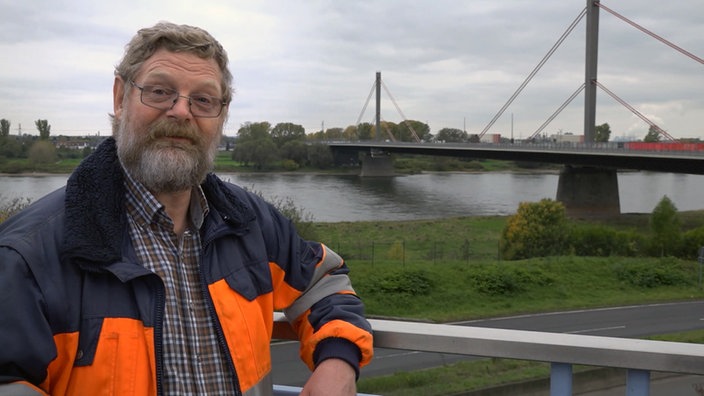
pixel 148 275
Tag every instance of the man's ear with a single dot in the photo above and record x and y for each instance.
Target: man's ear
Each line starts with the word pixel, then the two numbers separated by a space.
pixel 118 96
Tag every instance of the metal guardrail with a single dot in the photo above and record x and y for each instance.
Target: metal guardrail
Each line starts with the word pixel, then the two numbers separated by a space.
pixel 639 357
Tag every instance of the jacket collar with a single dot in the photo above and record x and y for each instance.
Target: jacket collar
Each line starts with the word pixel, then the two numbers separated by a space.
pixel 96 222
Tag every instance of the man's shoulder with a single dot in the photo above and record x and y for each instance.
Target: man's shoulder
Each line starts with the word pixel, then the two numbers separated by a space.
pixel 35 224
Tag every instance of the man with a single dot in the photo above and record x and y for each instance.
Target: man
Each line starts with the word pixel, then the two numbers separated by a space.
pixel 147 275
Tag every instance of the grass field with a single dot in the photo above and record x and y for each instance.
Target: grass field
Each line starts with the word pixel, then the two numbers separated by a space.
pixel 448 270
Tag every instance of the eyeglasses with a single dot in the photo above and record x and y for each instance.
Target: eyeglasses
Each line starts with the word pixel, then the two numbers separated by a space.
pixel 158 97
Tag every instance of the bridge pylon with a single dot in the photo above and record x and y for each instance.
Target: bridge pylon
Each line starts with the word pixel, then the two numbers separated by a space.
pixel 589 192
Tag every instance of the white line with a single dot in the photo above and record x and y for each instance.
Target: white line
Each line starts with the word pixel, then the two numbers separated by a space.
pixel 393 355
pixel 537 314
pixel 595 330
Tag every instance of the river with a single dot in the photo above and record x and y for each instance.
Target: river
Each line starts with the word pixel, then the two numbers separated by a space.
pixel 332 198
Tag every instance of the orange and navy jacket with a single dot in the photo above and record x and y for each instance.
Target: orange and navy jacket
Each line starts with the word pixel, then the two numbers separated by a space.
pixel 79 315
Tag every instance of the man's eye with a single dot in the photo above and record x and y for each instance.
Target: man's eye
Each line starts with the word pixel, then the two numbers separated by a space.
pixel 158 91
pixel 203 100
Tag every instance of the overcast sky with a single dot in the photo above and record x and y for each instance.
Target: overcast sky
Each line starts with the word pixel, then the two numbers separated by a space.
pixel 448 63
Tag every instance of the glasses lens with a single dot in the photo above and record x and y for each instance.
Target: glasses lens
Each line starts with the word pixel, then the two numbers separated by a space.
pixel 164 98
pixel 205 106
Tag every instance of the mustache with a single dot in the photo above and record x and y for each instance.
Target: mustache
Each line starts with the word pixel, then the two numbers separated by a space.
pixel 166 128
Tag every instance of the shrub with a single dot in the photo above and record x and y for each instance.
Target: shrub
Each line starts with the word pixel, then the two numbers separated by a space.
pixel 289 165
pixel 648 275
pixel 537 229
pixel 502 281
pixel 692 241
pixel 665 224
pixel 12 206
pixel 603 241
pixel 416 282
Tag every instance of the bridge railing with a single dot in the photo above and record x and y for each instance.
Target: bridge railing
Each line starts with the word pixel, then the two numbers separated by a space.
pixel 639 357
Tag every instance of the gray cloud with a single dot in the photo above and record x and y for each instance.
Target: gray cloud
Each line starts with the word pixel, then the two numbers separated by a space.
pixel 447 63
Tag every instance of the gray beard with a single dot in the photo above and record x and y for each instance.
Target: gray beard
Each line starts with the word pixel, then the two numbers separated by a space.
pixel 163 166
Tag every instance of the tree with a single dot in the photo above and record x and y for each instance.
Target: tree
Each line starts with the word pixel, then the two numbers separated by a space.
pixel 42 152
pixel 285 132
pixel 333 134
pixel 602 133
pixel 251 139
pixel 451 135
pixel 4 128
pixel 653 135
pixel 295 150
pixel 665 224
pixel 365 131
pixel 44 129
pixel 420 128
pixel 320 156
pixel 537 229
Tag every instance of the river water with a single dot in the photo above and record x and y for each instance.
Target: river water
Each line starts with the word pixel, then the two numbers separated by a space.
pixel 332 198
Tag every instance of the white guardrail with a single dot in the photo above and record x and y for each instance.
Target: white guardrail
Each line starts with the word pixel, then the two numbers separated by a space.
pixel 639 357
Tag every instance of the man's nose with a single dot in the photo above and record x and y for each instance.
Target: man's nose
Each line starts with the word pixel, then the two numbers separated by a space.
pixel 181 108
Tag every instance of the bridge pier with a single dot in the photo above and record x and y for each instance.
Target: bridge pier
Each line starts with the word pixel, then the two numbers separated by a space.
pixel 589 191
pixel 376 164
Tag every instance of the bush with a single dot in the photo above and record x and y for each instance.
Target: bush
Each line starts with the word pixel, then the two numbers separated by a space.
pixel 12 206
pixel 603 241
pixel 289 165
pixel 665 224
pixel 664 273
pixel 502 281
pixel 416 283
pixel 538 229
pixel 692 241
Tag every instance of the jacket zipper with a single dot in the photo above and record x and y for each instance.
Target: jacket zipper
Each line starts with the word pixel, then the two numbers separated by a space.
pixel 158 335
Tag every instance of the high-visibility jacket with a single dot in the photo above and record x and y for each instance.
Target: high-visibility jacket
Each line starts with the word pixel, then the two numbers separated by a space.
pixel 79 315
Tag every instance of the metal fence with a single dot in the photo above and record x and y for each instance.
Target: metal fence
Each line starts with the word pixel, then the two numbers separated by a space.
pixel 639 357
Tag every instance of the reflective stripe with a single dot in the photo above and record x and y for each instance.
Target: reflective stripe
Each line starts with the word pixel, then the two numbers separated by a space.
pixel 327 286
pixel 321 285
pixel 19 389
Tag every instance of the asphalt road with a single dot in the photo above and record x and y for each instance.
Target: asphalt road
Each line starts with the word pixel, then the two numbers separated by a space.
pixel 630 322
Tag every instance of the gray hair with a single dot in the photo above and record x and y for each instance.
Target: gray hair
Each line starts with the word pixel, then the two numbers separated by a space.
pixel 175 38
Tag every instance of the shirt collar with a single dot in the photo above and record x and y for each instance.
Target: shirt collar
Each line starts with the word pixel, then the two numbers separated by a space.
pixel 143 206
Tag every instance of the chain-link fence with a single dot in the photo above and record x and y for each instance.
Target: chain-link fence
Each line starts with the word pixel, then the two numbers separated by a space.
pixel 403 251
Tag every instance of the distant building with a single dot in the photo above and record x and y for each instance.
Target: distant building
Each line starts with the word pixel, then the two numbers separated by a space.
pixel 567 137
pixel 491 138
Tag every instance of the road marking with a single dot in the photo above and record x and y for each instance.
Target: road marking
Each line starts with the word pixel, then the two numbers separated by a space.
pixel 393 355
pixel 555 313
pixel 595 330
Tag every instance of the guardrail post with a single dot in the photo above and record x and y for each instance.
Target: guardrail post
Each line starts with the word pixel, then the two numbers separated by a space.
pixel 560 379
pixel 638 383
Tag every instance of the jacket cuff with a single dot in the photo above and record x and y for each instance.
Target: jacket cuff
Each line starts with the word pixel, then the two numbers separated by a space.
pixel 338 348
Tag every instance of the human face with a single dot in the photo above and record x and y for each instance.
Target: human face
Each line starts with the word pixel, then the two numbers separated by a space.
pixel 168 150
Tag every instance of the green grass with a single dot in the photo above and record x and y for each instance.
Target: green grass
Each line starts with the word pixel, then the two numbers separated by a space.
pixel 459 291
pixel 420 270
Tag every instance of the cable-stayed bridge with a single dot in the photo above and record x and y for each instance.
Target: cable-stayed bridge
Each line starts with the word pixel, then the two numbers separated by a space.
pixel 588 184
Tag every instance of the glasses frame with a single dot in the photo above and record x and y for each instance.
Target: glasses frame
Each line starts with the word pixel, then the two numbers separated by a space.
pixel 176 98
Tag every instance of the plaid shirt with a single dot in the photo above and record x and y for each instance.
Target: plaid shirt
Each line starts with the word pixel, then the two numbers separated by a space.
pixel 193 360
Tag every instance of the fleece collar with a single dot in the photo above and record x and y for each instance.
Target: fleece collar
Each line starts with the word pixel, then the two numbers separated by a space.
pixel 96 221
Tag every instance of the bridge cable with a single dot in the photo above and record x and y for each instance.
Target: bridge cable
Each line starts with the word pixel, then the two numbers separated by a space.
pixel 535 70
pixel 410 127
pixel 371 92
pixel 558 111
pixel 651 34
pixel 636 112
pixel 388 131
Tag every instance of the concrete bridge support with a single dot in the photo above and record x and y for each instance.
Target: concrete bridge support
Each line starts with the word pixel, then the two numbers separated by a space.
pixel 589 191
pixel 377 164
